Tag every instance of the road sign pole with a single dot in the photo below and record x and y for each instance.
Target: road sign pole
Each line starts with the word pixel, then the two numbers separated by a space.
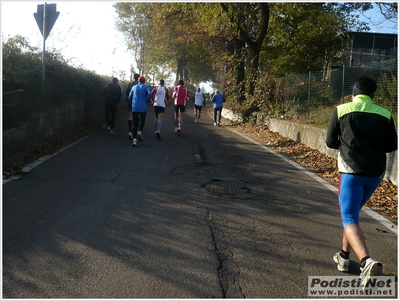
pixel 44 44
pixel 45 17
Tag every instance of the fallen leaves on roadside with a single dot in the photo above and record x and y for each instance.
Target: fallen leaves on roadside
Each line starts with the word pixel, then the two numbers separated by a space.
pixel 384 200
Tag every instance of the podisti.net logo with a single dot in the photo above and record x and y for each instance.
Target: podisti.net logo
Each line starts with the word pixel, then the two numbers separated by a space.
pixel 351 286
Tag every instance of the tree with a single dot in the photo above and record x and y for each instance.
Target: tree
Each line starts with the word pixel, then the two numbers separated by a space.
pixel 388 10
pixel 250 20
pixel 302 37
pixel 236 43
pixel 135 24
pixel 179 28
pixel 172 37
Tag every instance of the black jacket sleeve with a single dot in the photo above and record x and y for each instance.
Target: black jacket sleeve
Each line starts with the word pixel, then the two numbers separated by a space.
pixel 118 94
pixel 392 138
pixel 333 134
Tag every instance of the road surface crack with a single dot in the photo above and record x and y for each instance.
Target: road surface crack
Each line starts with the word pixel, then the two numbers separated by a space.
pixel 227 269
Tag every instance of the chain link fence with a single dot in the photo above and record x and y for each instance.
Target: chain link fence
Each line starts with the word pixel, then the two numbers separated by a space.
pixel 309 93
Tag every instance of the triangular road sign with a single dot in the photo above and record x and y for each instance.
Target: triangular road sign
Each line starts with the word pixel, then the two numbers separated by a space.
pixel 51 17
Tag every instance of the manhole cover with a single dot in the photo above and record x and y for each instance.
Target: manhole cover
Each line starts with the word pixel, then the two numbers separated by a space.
pixel 221 187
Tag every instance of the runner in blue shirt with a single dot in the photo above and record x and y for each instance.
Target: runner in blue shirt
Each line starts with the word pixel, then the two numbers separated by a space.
pixel 140 96
pixel 218 100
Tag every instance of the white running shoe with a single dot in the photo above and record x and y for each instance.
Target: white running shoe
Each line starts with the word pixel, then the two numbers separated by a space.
pixel 371 268
pixel 342 264
pixel 140 137
pixel 134 142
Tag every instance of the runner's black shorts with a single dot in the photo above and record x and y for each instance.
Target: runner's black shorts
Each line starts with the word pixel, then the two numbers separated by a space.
pixel 158 109
pixel 180 108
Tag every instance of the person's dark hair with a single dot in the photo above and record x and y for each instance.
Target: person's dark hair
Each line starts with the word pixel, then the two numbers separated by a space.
pixel 180 82
pixel 115 80
pixel 136 76
pixel 365 85
pixel 161 82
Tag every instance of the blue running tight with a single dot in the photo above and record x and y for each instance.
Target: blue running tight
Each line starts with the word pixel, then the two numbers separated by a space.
pixel 354 192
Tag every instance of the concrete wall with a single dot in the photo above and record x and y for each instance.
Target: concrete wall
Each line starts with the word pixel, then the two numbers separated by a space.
pixel 42 126
pixel 57 120
pixel 314 137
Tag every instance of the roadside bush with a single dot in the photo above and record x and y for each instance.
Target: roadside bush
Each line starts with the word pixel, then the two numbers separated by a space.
pixel 24 93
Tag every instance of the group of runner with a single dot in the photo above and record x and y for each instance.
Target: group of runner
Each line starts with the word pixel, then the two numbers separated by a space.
pixel 361 131
pixel 138 95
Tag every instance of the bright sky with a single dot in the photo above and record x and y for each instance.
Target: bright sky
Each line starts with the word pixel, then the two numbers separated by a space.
pixel 85 33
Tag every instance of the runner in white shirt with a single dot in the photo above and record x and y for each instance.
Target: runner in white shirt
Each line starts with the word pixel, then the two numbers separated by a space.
pixel 160 97
pixel 198 104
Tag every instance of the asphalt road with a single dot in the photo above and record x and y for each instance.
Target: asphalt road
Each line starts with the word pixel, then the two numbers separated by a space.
pixel 205 215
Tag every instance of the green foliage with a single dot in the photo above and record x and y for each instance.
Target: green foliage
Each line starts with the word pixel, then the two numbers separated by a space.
pixel 319 110
pixel 20 61
pixel 302 36
pixel 21 74
pixel 387 92
pixel 250 23
pixel 266 98
pixel 24 94
pixel 229 43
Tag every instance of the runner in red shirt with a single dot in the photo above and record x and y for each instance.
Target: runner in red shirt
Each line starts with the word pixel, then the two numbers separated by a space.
pixel 181 96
